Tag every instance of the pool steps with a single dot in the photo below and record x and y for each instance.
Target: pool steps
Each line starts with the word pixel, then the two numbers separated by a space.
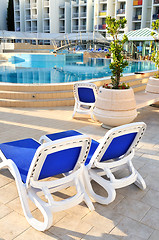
pixel 52 95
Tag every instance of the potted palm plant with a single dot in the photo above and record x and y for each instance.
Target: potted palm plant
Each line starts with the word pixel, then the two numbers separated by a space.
pixel 115 104
pixel 153 82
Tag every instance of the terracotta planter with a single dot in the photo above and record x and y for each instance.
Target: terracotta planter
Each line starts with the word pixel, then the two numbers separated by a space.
pixel 115 107
pixel 152 85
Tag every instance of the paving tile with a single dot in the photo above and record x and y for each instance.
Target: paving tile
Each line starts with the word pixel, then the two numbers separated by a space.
pixel 128 227
pixel 155 235
pixel 95 234
pixel 36 235
pixel 104 220
pixel 4 210
pixel 132 191
pixel 12 225
pixel 15 205
pixel 151 198
pixel 151 219
pixel 8 193
pixel 132 208
pixel 152 182
pixel 70 227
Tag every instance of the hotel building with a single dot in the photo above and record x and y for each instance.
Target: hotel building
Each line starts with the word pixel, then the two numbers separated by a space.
pixel 70 16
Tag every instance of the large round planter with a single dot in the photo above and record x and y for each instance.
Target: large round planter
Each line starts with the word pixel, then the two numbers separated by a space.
pixel 115 107
pixel 152 85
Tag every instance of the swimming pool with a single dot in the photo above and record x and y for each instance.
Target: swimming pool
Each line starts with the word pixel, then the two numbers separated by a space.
pixel 45 69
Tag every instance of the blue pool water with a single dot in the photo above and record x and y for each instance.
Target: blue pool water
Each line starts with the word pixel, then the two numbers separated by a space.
pixel 33 68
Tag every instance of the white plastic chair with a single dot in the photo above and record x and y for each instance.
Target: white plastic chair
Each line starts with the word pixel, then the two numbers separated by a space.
pixel 112 153
pixel 85 96
pixel 32 165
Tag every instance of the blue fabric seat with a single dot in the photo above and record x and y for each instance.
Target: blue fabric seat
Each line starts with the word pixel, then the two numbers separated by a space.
pixel 21 152
pixel 117 148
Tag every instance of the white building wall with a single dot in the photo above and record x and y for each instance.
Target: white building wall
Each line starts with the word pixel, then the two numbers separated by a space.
pixel 3 14
pixel 94 20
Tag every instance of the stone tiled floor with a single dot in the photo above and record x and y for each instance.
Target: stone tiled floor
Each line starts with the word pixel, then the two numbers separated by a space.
pixel 134 215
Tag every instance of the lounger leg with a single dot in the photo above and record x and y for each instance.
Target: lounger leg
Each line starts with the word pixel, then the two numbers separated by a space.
pixel 74 111
pixel 47 214
pixel 103 183
pixel 86 197
pixel 140 181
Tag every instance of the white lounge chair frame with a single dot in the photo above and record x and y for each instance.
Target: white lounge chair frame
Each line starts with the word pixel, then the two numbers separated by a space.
pixel 83 107
pixel 109 167
pixel 33 188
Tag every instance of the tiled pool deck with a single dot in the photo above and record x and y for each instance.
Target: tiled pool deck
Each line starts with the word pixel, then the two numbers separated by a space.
pixel 134 215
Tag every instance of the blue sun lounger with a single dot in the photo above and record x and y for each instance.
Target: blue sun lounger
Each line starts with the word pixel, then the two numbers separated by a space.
pixel 112 153
pixel 32 165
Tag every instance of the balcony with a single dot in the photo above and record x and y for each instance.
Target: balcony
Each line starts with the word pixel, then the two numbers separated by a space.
pixel 28 29
pixel 75 15
pixel 17 7
pixel 28 17
pixel 83 27
pixel 155 16
pixel 120 11
pixel 17 18
pixel 62 29
pixel 46 3
pixel 62 16
pixel 137 2
pixel 156 1
pixel 46 28
pixel 100 27
pixel 34 16
pixel 46 15
pixel 34 28
pixel 27 5
pixel 34 5
pixel 137 18
pixel 75 28
pixel 103 13
pixel 83 14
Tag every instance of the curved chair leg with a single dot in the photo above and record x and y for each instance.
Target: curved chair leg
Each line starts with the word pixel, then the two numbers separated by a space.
pixel 74 111
pixel 103 183
pixel 140 181
pixel 46 212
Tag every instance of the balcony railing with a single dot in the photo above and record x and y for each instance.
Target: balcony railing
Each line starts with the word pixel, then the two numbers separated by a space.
pixel 62 16
pixel 46 3
pixel 137 18
pixel 74 28
pixel 100 27
pixel 28 29
pixel 83 14
pixel 83 27
pixel 28 17
pixel 156 1
pixel 17 18
pixel 34 16
pixel 34 5
pixel 137 2
pixel 155 16
pixel 27 5
pixel 34 28
pixel 62 28
pixel 46 15
pixel 120 11
pixel 75 15
pixel 103 13
pixel 17 7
